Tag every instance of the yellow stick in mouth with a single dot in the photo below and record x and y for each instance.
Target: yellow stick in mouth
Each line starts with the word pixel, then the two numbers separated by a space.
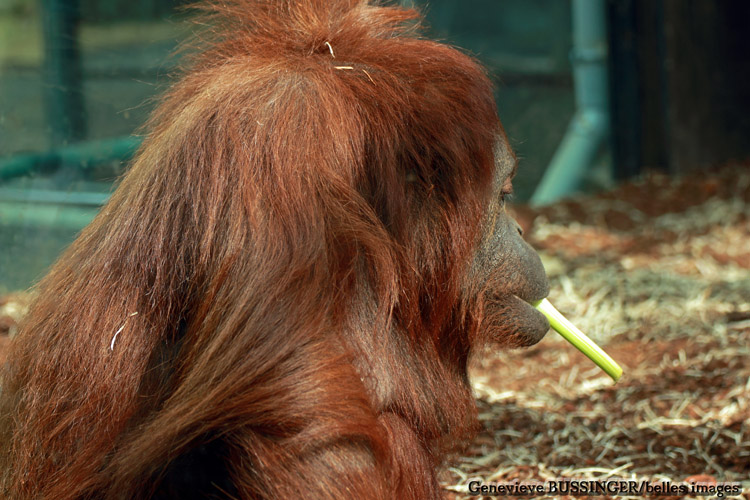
pixel 568 330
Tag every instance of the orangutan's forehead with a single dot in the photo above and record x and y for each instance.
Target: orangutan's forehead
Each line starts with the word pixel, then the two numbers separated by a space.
pixel 505 159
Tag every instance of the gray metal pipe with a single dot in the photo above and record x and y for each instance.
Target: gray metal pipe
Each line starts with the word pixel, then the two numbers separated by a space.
pixel 80 155
pixel 49 197
pixel 30 207
pixel 589 128
pixel 63 89
pixel 72 218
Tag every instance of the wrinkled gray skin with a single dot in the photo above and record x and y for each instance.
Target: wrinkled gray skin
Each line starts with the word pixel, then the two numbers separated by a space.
pixel 508 271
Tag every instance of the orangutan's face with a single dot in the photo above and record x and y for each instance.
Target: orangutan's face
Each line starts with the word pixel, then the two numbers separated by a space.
pixel 509 270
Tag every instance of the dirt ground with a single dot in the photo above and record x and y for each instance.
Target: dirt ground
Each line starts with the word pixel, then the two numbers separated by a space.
pixel 658 273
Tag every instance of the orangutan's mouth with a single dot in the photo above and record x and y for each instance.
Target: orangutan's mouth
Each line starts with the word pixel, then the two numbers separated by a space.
pixel 536 324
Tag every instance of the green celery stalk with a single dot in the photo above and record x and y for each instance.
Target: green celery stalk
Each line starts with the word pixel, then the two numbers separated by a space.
pixel 568 330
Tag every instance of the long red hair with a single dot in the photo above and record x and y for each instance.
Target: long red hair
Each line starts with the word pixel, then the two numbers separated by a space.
pixel 300 214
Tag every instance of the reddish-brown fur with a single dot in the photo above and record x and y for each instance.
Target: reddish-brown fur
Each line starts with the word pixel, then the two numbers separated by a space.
pixel 273 304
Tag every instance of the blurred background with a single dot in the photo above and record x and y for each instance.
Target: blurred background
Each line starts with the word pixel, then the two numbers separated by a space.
pixel 591 92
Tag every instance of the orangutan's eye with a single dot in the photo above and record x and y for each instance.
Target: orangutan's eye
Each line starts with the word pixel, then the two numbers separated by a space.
pixel 506 195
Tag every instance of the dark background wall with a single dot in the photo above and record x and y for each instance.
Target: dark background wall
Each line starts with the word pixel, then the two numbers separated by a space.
pixel 680 92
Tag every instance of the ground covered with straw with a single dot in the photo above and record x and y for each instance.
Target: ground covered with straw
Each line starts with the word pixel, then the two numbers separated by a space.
pixel 658 273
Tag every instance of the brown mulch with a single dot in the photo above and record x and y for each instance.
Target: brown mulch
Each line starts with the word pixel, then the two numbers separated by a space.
pixel 12 307
pixel 657 272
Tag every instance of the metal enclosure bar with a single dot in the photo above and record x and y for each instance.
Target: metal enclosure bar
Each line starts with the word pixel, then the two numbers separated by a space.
pixel 589 128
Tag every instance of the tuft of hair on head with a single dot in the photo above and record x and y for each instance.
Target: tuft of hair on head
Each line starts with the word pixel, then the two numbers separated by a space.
pixel 299 27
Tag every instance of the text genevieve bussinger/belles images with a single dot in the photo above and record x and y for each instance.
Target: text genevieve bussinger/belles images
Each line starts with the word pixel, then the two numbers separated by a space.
pixel 593 487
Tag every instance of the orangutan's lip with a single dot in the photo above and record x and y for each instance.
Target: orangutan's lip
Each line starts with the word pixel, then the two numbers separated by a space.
pixel 532 301
pixel 535 334
pixel 534 296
